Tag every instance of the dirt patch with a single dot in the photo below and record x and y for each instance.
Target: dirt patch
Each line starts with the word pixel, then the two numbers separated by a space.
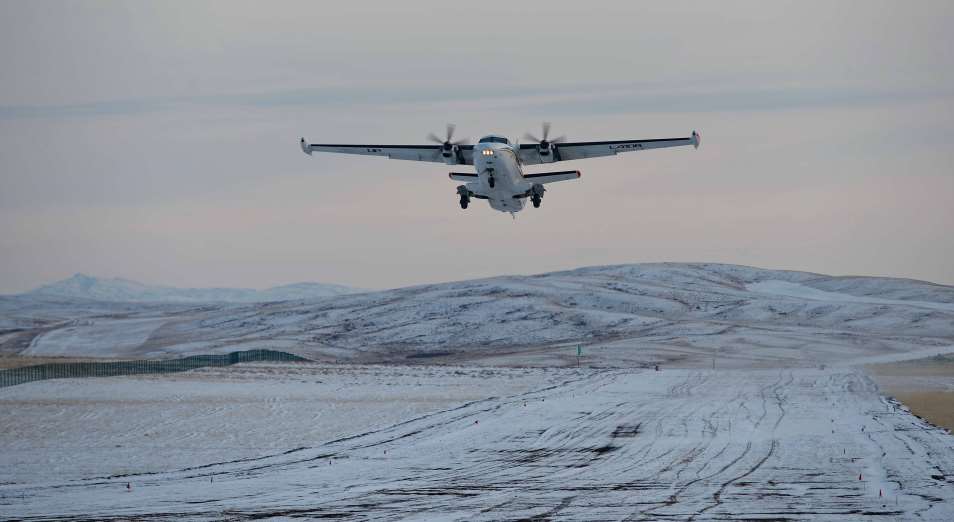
pixel 17 361
pixel 923 385
pixel 429 355
pixel 936 407
pixel 939 366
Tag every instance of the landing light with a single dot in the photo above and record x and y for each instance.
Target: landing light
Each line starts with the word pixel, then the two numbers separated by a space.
pixel 487 152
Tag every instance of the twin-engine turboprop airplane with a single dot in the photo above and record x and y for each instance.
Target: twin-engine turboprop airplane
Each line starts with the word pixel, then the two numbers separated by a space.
pixel 499 176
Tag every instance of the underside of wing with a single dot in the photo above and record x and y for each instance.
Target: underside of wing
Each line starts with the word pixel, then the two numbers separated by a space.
pixel 532 154
pixel 458 155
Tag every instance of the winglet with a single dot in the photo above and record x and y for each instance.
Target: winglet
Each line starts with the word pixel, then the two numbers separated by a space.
pixel 696 139
pixel 305 147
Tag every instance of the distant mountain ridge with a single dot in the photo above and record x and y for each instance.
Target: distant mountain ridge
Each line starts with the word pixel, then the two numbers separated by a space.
pixel 83 286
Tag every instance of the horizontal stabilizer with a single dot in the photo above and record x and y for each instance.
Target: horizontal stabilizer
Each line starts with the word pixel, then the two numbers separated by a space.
pixel 552 177
pixel 463 176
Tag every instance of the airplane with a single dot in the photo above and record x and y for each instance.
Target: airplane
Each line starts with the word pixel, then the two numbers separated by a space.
pixel 499 177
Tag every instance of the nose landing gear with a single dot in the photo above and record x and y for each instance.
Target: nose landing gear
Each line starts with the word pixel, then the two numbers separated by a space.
pixel 490 178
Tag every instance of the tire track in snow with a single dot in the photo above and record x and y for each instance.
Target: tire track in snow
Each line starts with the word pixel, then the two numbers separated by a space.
pixel 717 496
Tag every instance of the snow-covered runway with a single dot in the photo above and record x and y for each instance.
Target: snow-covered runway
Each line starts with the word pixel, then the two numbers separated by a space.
pixel 592 445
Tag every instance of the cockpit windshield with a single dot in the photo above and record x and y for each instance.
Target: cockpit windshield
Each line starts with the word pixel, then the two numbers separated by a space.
pixel 494 139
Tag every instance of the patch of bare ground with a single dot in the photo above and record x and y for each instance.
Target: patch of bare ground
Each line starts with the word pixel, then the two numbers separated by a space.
pixel 937 407
pixel 937 366
pixel 926 386
pixel 17 361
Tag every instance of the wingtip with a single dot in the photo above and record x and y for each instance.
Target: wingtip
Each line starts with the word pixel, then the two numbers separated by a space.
pixel 304 146
pixel 696 139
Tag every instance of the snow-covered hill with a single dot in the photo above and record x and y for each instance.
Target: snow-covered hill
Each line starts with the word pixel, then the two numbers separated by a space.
pixel 123 290
pixel 670 312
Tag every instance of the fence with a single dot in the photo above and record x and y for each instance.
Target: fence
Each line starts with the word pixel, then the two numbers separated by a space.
pixel 41 372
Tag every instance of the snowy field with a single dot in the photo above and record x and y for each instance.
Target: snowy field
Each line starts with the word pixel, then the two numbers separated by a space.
pixel 431 443
pixel 76 428
pixel 90 336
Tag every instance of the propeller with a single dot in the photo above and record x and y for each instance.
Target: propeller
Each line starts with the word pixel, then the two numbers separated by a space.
pixel 447 143
pixel 546 142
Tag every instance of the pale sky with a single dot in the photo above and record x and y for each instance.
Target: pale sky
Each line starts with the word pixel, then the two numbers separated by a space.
pixel 158 141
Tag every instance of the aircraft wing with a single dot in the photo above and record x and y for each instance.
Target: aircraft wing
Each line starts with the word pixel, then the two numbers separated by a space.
pixel 530 152
pixel 432 153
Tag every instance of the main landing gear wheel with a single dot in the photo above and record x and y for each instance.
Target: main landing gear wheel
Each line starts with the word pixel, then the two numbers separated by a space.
pixel 464 196
pixel 536 194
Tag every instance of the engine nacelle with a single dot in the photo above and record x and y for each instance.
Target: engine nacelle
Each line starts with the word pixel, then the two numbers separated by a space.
pixel 451 154
pixel 546 151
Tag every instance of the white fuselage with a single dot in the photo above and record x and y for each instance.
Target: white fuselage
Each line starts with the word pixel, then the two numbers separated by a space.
pixel 499 161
